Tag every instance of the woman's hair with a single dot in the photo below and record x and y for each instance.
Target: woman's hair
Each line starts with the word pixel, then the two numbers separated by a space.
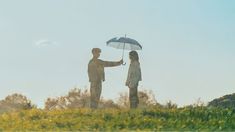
pixel 134 56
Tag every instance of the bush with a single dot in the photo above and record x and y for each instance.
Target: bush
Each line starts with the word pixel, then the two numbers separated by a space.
pixel 146 100
pixel 227 101
pixel 76 98
pixel 15 102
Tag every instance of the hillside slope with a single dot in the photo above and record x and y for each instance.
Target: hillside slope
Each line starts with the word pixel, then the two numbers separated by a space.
pixel 199 118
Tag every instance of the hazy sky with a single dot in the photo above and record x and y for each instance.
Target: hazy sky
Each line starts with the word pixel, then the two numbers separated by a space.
pixel 188 46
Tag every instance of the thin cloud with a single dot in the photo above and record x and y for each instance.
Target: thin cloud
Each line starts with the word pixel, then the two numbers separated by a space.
pixel 45 42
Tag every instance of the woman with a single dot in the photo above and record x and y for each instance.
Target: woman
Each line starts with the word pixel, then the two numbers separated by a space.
pixel 133 78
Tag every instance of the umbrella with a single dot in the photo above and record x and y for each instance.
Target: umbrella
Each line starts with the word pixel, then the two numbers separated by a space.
pixel 124 43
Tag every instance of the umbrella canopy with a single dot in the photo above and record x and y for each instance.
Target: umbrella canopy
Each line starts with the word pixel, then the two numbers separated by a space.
pixel 124 43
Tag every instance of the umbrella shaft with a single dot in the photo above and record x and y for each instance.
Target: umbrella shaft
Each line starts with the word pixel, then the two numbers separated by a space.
pixel 123 51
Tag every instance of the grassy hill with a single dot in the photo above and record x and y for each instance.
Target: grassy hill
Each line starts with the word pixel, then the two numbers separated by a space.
pixel 188 118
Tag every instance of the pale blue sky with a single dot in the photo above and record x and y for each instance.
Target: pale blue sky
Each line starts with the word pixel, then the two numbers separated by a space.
pixel 188 46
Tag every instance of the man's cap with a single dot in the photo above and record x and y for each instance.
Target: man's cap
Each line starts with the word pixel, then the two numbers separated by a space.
pixel 96 50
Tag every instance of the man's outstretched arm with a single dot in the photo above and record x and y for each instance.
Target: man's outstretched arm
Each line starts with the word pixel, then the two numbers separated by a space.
pixel 111 63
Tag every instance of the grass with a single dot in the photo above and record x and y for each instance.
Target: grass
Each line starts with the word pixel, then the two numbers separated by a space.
pixel 183 119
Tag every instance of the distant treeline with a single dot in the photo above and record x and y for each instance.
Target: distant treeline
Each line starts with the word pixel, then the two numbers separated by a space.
pixel 78 98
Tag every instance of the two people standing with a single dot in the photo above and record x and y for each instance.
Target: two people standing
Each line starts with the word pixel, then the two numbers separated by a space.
pixel 97 76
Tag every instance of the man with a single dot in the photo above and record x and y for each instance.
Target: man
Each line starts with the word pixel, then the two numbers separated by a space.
pixel 96 75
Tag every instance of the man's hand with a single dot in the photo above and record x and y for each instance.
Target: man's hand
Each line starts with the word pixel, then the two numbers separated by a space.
pixel 121 61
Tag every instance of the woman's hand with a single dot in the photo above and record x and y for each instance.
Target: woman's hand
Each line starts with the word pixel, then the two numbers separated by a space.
pixel 132 85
